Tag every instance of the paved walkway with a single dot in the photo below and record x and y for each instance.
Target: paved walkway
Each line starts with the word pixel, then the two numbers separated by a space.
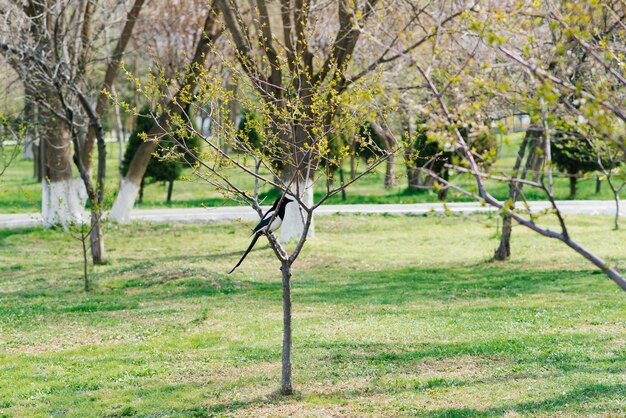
pixel 229 213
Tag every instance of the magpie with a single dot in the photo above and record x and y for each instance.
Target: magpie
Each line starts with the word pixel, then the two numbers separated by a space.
pixel 270 222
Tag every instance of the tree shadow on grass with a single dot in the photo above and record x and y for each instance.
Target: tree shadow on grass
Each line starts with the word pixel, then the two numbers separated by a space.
pixel 575 400
pixel 401 286
pixel 11 232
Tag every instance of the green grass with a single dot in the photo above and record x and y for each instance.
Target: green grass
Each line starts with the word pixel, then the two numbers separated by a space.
pixel 19 192
pixel 393 316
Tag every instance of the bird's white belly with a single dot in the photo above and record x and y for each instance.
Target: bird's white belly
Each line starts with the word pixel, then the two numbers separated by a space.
pixel 275 224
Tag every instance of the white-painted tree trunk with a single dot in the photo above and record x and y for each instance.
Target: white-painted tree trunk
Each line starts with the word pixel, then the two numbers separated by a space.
pixel 124 201
pixel 293 224
pixel 60 203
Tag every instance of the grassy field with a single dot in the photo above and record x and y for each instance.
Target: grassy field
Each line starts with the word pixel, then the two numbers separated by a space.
pixel 19 192
pixel 393 316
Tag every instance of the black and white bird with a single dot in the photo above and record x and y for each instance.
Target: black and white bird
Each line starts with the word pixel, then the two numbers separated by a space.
pixel 270 222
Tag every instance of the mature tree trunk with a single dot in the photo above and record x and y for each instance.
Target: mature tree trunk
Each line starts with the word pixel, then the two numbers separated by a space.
pixel 298 174
pixel 390 171
pixel 286 385
pixel 130 184
pixel 530 141
pixel 60 204
pixel 293 223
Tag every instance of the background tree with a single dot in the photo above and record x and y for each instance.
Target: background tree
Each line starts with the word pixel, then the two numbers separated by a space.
pixel 169 160
pixel 311 47
pixel 575 154
pixel 166 104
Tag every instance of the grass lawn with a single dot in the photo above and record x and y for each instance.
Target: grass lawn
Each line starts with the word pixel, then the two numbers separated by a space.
pixel 19 192
pixel 393 316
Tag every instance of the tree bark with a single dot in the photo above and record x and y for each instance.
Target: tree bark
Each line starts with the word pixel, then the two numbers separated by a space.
pixel 60 204
pixel 616 211
pixel 390 171
pixel 286 385
pixel 504 249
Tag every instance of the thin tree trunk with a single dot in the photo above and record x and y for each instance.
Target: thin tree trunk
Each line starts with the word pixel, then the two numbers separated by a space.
pixel 616 191
pixel 412 172
pixel 286 385
pixel 85 275
pixel 29 113
pixel 353 158
pixel 141 186
pixel 39 149
pixel 343 181
pixel 573 179
pixel 390 172
pixel 598 184
pixel 547 150
pixel 169 191
pixel 96 237
pixel 504 249
pixel 442 194
pixel 616 211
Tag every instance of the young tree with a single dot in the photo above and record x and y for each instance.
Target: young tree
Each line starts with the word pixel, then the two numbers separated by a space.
pixel 219 169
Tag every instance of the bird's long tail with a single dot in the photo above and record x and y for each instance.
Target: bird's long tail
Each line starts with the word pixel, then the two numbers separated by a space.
pixel 254 240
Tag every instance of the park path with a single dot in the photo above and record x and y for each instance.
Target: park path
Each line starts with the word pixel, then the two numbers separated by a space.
pixel 230 213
